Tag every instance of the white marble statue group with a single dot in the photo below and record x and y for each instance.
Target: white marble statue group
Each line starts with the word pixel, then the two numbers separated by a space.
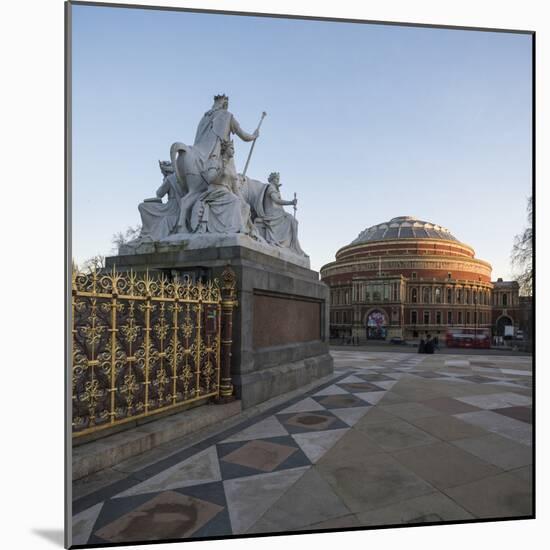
pixel 205 194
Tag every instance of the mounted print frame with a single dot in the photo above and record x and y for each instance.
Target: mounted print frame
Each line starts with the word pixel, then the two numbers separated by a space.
pixel 300 277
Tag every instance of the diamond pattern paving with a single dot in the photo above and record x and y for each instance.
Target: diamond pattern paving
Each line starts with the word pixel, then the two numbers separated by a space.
pixel 340 401
pixel 262 455
pixel 310 421
pixel 393 438
pixel 525 414
pixel 169 515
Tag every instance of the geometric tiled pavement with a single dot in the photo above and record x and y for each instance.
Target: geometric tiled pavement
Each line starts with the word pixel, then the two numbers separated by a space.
pixel 393 438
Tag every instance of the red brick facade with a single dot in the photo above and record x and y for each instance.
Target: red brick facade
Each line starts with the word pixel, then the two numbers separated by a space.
pixel 386 285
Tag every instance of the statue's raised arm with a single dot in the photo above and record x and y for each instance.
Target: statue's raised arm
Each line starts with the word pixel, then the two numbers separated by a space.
pixel 216 126
pixel 245 136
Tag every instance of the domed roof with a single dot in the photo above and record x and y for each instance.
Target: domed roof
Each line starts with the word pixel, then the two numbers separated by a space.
pixel 404 227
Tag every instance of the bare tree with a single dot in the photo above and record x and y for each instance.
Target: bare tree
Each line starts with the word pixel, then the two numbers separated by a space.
pixel 123 237
pixel 95 263
pixel 522 253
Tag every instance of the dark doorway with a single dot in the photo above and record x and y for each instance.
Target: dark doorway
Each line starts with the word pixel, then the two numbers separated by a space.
pixel 502 323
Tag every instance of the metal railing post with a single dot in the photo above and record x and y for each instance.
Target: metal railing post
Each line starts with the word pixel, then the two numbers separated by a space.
pixel 228 303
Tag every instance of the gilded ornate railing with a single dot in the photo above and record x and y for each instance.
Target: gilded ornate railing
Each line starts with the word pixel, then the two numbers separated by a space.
pixel 143 345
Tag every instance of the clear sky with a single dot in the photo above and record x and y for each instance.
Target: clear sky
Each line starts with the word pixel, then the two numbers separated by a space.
pixel 365 122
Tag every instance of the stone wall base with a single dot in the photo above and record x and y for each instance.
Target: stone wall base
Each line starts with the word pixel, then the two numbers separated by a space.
pixel 113 449
pixel 255 387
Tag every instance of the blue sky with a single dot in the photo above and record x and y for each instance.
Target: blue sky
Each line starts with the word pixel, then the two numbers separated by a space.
pixel 365 122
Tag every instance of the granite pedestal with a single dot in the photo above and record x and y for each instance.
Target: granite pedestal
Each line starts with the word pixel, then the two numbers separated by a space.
pixel 280 327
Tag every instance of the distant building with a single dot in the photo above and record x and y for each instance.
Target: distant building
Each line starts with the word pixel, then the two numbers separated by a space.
pixel 506 305
pixel 406 277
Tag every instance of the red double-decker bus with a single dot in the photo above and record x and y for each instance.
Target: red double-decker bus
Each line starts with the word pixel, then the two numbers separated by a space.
pixel 468 338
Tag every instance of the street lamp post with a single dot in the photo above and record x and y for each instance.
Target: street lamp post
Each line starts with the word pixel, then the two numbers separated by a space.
pixel 475 314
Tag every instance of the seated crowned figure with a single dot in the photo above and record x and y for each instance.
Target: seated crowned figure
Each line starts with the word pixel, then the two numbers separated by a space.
pixel 277 226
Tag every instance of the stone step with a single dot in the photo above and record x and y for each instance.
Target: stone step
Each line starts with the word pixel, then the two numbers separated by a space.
pixel 92 457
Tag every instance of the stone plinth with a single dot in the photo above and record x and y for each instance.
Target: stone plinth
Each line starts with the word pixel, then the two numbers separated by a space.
pixel 280 327
pixel 203 242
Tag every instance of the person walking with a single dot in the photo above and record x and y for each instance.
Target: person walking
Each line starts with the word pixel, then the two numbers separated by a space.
pixel 429 345
pixel 422 346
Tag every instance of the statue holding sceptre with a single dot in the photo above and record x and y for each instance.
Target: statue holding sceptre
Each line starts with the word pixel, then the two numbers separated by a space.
pixel 256 133
pixel 217 125
pixel 280 228
pixel 206 194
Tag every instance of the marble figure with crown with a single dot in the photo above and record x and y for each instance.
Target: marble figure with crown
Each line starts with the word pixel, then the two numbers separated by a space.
pixel 210 204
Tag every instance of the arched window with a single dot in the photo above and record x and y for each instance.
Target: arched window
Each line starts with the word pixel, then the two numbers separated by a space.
pixel 505 299
pixel 414 295
pixel 438 295
pixel 449 295
pixel 426 295
pixel 458 296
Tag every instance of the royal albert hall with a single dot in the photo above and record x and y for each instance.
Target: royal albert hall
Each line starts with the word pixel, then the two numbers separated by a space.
pixel 407 277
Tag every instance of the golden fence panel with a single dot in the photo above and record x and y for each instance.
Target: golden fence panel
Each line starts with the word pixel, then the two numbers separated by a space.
pixel 141 345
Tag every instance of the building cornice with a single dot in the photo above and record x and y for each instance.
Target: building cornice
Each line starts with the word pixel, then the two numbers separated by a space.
pixel 360 264
pixel 404 241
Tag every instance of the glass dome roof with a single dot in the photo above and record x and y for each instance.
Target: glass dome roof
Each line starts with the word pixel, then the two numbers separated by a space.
pixel 404 227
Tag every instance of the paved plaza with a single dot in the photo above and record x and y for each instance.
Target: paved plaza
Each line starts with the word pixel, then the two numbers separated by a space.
pixel 390 438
